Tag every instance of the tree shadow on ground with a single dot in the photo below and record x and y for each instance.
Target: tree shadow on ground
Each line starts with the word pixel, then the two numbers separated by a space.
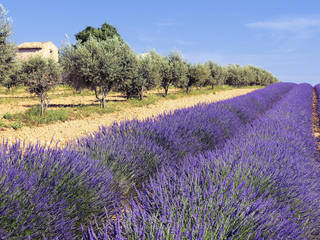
pixel 95 103
pixel 17 97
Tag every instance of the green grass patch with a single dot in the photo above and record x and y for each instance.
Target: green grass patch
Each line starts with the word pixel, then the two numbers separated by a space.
pixel 2 124
pixel 32 117
pixel 87 110
pixel 67 92
pixel 148 100
pixel 9 100
pixel 8 116
pixel 16 125
pixel 12 91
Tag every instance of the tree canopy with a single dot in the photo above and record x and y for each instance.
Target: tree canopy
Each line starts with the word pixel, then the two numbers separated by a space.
pixel 98 65
pixel 106 31
pixel 147 74
pixel 7 49
pixel 197 75
pixel 218 74
pixel 173 71
pixel 40 75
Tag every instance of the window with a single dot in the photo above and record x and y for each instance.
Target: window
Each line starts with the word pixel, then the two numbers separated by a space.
pixel 21 50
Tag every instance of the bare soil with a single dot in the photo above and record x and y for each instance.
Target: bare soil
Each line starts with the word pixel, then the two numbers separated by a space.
pixel 22 105
pixel 315 120
pixel 62 132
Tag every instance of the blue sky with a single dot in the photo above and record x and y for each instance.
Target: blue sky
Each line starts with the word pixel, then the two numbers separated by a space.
pixel 281 36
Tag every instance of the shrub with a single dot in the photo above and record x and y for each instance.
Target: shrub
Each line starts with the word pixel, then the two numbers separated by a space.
pixel 16 125
pixel 261 185
pixel 134 150
pixel 51 192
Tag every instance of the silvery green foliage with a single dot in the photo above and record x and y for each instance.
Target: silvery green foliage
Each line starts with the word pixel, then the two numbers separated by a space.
pixel 218 74
pixel 50 192
pixel 237 75
pixel 98 65
pixel 173 71
pixel 263 184
pixel 7 49
pixel 147 75
pixel 40 75
pixel 197 75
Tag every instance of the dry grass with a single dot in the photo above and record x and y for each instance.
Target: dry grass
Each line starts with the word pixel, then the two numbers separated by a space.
pixel 62 132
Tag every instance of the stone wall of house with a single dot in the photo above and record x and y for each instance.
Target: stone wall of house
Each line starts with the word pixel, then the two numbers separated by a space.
pixel 44 49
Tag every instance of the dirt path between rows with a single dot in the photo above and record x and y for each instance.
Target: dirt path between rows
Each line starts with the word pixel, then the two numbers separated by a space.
pixel 315 119
pixel 63 132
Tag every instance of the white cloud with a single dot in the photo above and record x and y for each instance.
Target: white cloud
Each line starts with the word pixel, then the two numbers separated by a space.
pixel 288 24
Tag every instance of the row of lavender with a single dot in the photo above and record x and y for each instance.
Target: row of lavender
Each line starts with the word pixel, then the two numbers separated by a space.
pixel 134 150
pixel 317 92
pixel 263 184
pixel 52 192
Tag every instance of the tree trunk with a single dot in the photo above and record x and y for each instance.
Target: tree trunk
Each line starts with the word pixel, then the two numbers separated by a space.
pixel 141 93
pixel 212 86
pixel 166 90
pixel 188 90
pixel 42 104
pixel 96 93
pixel 103 99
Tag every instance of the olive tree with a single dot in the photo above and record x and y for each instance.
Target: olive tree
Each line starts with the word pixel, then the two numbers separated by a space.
pixel 248 75
pixel 98 65
pixel 147 75
pixel 218 74
pixel 173 71
pixel 260 76
pixel 128 80
pixel 236 76
pixel 13 79
pixel 7 50
pixel 40 75
pixel 153 60
pixel 196 76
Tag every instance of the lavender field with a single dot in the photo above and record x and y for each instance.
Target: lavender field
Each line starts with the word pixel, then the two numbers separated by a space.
pixel 243 168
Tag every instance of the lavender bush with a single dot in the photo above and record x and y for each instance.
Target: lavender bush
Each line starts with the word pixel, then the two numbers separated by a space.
pixel 317 91
pixel 134 150
pixel 49 193
pixel 56 193
pixel 263 184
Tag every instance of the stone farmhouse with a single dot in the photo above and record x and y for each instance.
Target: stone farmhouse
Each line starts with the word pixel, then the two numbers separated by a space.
pixel 31 49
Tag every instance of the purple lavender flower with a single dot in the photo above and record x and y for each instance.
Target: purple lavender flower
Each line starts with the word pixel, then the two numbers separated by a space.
pixel 135 149
pixel 50 192
pixel 262 184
